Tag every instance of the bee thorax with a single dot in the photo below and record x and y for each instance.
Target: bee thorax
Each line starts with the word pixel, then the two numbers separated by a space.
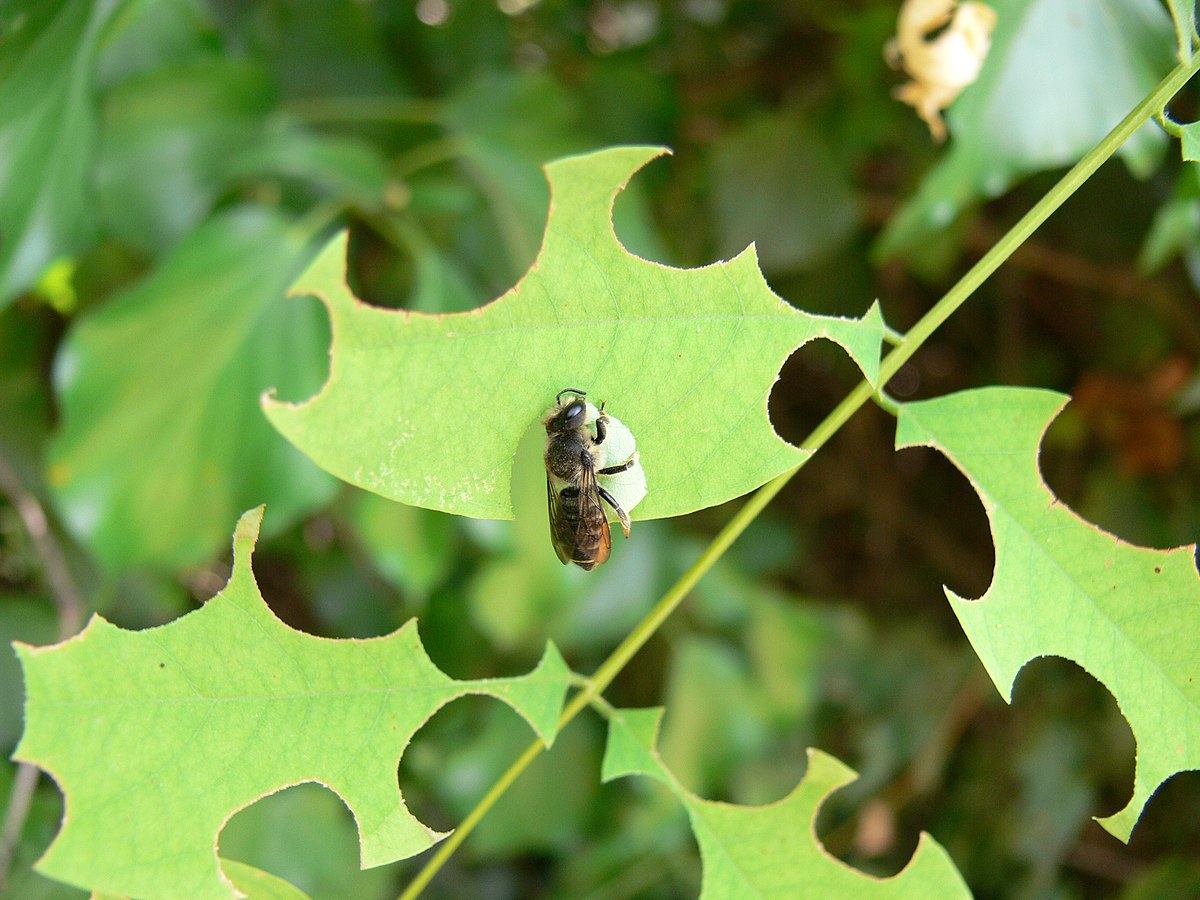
pixel 565 454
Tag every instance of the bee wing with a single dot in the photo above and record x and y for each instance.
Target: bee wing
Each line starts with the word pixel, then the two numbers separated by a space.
pixel 552 499
pixel 592 510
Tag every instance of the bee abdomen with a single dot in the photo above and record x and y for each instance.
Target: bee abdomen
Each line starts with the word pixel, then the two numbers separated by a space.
pixel 581 533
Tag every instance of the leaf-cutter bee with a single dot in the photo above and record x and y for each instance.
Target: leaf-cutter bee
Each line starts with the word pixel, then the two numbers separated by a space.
pixel 574 456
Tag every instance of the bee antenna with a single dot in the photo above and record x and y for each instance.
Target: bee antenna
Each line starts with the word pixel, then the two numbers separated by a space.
pixel 558 399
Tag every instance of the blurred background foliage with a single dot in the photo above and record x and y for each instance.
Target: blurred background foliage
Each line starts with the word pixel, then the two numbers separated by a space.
pixel 166 167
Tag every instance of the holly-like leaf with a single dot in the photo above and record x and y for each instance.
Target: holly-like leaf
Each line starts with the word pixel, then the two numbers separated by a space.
pixel 157 737
pixel 163 442
pixel 772 850
pixel 1130 616
pixel 47 134
pixel 1059 75
pixel 428 410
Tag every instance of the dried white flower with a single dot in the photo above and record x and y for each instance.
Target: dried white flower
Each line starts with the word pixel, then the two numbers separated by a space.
pixel 940 67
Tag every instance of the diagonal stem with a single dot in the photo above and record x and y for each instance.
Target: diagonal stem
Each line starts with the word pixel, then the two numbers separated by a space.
pixel 912 341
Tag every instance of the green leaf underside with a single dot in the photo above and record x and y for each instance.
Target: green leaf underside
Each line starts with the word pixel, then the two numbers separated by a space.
pixel 157 737
pixel 772 851
pixel 1129 616
pixel 428 410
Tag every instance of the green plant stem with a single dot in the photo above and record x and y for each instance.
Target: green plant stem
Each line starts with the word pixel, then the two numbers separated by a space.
pixel 429 154
pixel 891 364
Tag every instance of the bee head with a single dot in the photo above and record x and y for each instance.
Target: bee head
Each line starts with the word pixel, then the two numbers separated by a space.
pixel 569 414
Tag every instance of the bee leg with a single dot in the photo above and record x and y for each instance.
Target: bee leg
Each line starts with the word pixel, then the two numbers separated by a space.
pixel 601 426
pixel 623 467
pixel 621 514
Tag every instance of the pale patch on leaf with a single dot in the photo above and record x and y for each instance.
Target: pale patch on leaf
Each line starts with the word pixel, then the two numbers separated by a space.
pixel 1128 615
pixel 429 409
pixel 158 737
pixel 941 44
pixel 773 850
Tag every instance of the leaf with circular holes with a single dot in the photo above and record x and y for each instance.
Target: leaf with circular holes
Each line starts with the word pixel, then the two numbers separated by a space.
pixel 429 409
pixel 1128 615
pixel 772 850
pixel 157 737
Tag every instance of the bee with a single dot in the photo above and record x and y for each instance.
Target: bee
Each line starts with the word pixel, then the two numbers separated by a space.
pixel 578 526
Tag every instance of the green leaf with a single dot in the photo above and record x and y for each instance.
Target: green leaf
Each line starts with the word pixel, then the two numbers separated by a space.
pixel 163 441
pixel 428 410
pixel 1059 76
pixel 413 549
pixel 506 125
pixel 1062 587
pixel 718 715
pixel 47 135
pixel 178 136
pixel 21 619
pixel 337 167
pixel 772 850
pixel 1189 141
pixel 169 137
pixel 546 810
pixel 157 737
pixel 1183 12
pixel 1175 230
pixel 149 35
pixel 306 836
pixel 780 186
pixel 259 885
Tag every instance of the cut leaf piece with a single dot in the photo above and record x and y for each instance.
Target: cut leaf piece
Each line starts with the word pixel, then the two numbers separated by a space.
pixel 1129 616
pixel 428 410
pixel 163 442
pixel 157 737
pixel 772 850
